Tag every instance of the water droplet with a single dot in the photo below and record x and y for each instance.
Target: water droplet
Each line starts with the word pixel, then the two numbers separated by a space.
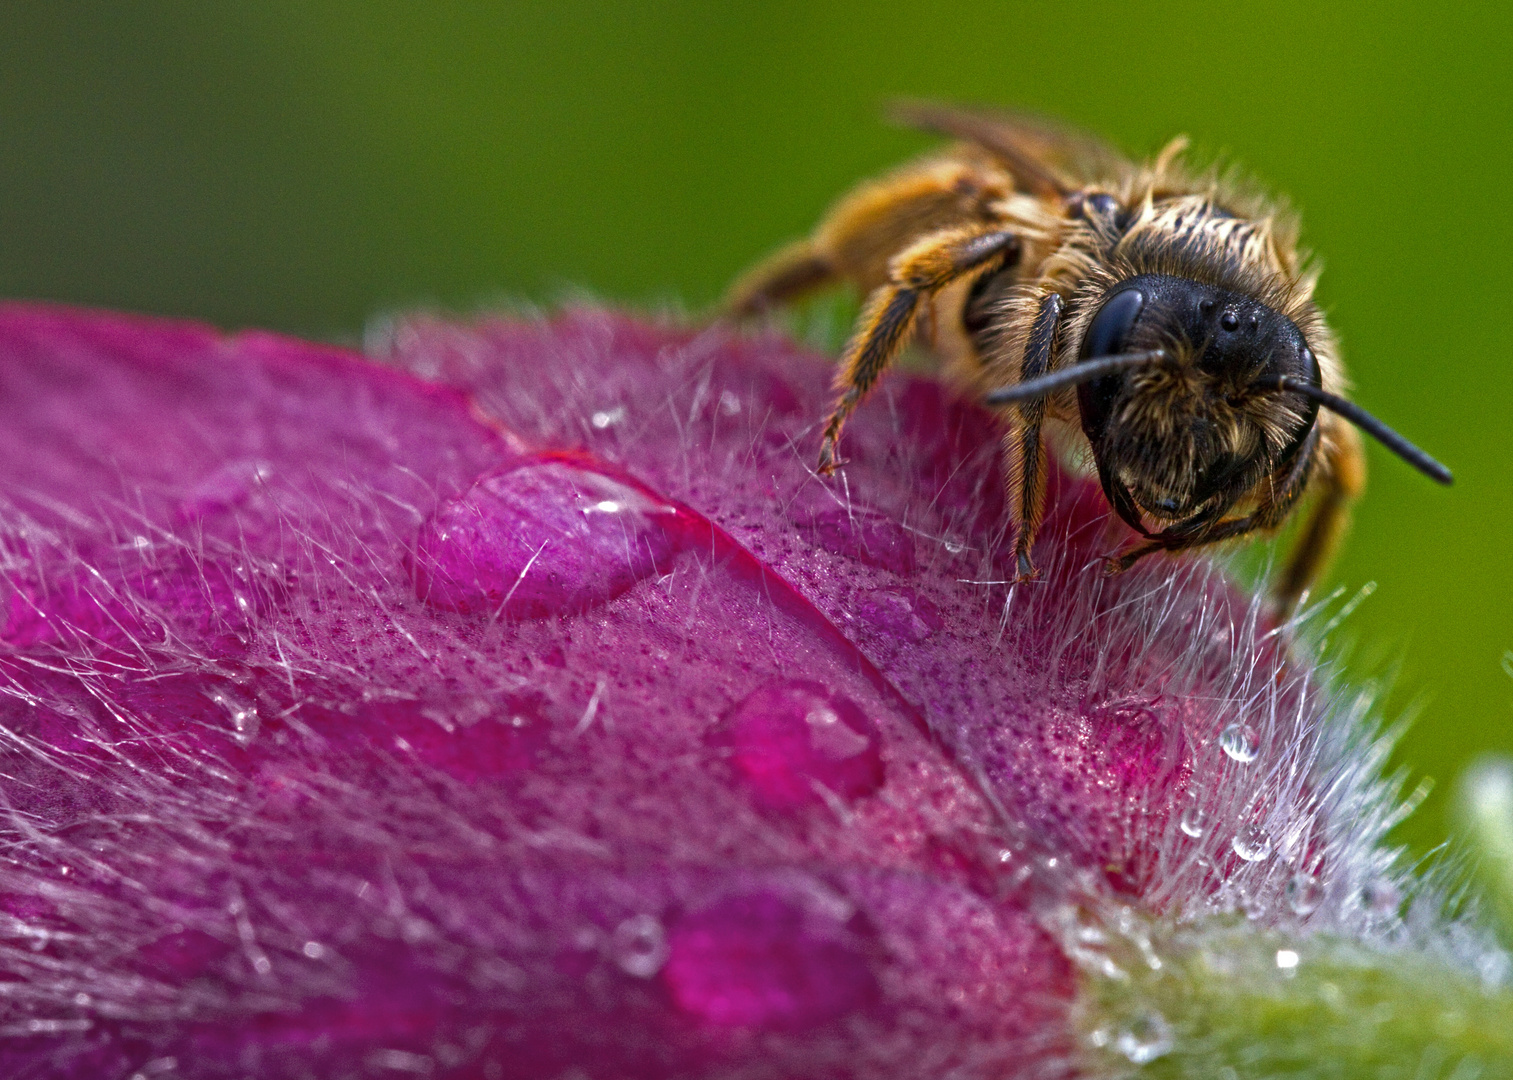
pixel 1194 821
pixel 542 539
pixel 900 613
pixel 313 950
pixel 768 960
pixel 1147 1037
pixel 1304 893
pixel 787 736
pixel 865 536
pixel 245 721
pixel 1241 742
pixel 608 417
pixel 639 946
pixel 1252 843
pixel 730 404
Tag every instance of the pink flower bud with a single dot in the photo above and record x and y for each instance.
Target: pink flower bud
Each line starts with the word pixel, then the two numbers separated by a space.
pixel 528 708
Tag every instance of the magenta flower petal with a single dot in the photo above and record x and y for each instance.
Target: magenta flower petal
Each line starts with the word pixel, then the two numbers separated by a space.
pixel 527 706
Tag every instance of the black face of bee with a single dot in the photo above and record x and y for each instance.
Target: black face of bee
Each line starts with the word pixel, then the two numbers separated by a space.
pixel 1191 434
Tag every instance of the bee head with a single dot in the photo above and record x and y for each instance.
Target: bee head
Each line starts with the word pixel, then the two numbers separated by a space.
pixel 1205 424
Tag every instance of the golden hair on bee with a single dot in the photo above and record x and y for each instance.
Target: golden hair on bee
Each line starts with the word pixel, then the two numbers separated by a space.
pixel 1165 317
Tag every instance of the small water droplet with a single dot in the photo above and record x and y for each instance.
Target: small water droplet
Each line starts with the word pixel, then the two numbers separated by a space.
pixel 1252 843
pixel 313 950
pixel 787 736
pixel 1304 893
pixel 608 417
pixel 639 946
pixel 1194 821
pixel 730 404
pixel 545 538
pixel 1241 742
pixel 245 721
pixel 1147 1037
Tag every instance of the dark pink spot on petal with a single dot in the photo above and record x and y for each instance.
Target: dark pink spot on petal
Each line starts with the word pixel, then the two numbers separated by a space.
pixel 764 960
pixel 788 737
pixel 545 538
pixel 899 613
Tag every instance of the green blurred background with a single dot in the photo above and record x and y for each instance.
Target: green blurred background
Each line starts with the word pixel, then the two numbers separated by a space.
pixel 304 165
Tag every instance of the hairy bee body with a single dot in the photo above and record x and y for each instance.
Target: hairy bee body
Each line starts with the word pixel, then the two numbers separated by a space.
pixel 1164 316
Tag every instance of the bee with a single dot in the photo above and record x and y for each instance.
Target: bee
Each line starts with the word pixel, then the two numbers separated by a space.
pixel 1162 317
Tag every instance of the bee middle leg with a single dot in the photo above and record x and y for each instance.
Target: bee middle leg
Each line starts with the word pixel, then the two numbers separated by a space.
pixel 1344 478
pixel 915 276
pixel 793 272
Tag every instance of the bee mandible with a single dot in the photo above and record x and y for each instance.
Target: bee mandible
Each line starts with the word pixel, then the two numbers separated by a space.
pixel 1164 315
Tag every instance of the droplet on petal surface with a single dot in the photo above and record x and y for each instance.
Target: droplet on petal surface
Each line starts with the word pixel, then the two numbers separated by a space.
pixel 865 536
pixel 1241 742
pixel 787 737
pixel 550 537
pixel 1252 843
pixel 1193 822
pixel 767 960
pixel 639 946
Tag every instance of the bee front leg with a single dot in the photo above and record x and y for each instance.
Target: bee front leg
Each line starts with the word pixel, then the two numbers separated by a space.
pixel 915 276
pixel 1026 450
pixel 1344 477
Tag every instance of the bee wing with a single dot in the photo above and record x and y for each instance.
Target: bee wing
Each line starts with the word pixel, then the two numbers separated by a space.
pixel 1045 157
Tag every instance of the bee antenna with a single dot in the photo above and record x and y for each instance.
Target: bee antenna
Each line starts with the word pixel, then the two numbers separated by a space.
pixel 1366 422
pixel 1043 385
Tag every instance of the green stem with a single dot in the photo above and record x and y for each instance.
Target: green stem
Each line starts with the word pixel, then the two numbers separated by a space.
pixel 1233 1001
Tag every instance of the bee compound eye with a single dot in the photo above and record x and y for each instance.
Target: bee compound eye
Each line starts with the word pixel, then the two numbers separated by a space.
pixel 1101 205
pixel 1110 328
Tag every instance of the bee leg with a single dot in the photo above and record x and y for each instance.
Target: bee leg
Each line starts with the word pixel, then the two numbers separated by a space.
pixel 1026 451
pixel 792 272
pixel 915 276
pixel 1343 480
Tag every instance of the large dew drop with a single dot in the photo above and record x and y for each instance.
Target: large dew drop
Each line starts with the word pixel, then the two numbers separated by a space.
pixel 790 739
pixel 546 538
